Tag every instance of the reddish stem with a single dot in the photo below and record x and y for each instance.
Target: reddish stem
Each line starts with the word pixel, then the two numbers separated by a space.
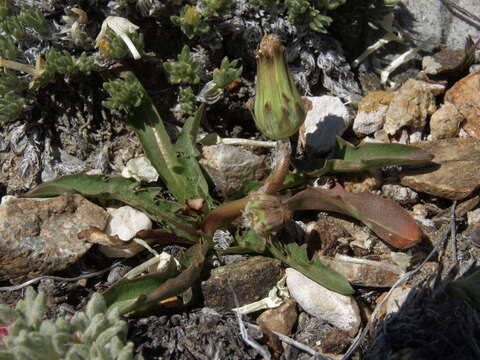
pixel 275 181
pixel 223 214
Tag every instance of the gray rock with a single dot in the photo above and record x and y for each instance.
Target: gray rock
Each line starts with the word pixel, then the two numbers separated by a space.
pixel 230 167
pixel 327 118
pixel 363 272
pixel 250 280
pixel 39 237
pixel 431 23
pixel 337 75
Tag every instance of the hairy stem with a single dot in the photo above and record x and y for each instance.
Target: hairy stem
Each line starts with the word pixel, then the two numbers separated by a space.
pixel 275 181
pixel 223 214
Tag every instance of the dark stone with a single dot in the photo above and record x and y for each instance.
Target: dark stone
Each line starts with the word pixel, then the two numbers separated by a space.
pixel 250 280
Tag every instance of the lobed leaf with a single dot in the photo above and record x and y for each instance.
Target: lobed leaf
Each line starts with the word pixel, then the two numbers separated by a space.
pixel 295 256
pixel 348 158
pixel 176 164
pixel 124 190
pixel 383 216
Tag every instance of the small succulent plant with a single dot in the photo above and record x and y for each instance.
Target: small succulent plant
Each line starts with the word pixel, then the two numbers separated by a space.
pixel 90 335
pixel 185 70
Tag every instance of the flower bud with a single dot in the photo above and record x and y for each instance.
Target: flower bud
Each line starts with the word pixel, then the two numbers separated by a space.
pixel 279 110
pixel 266 213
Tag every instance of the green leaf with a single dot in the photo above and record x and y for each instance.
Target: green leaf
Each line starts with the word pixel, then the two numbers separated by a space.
pixel 176 165
pixel 227 73
pixel 248 242
pixel 125 292
pixel 296 256
pixel 187 154
pixel 11 107
pixel 125 190
pixel 32 17
pixel 185 70
pixel 192 261
pixel 8 49
pixel 348 158
pixel 383 216
pixel 191 21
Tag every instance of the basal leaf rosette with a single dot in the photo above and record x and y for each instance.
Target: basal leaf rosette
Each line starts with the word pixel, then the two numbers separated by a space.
pixel 279 110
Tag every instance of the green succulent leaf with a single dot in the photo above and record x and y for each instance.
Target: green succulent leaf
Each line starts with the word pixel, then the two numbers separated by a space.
pixel 125 94
pixel 185 70
pixel 329 4
pixel 124 190
pixel 296 9
pixel 319 22
pixel 11 25
pixel 8 49
pixel 11 107
pixel 117 47
pixel 30 337
pixel 227 73
pixel 187 100
pixel 33 17
pixel 383 216
pixel 215 8
pixel 191 21
pixel 10 83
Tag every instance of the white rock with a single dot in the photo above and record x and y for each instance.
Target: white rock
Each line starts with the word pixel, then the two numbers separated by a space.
pixel 339 310
pixel 126 222
pixel 473 217
pixel 7 198
pixel 140 169
pixel 371 112
pixel 366 123
pixel 327 117
pixel 402 194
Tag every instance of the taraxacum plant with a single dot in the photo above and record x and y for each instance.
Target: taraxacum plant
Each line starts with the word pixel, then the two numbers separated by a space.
pixel 279 111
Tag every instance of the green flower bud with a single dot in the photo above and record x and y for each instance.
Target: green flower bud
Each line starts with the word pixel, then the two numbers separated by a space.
pixel 279 110
pixel 265 214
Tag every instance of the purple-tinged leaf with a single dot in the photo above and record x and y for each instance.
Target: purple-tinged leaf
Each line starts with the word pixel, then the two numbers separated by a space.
pixel 386 218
